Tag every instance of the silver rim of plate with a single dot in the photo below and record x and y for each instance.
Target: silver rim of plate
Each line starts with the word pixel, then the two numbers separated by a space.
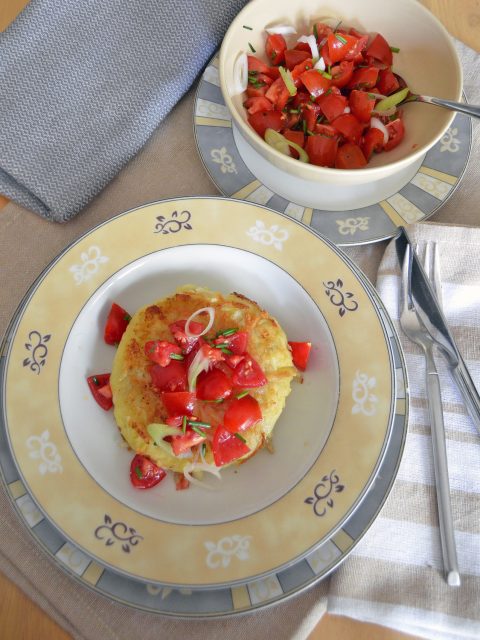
pixel 239 598
pixel 431 186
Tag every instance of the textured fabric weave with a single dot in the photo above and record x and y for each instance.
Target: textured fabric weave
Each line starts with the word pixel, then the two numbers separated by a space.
pixel 85 83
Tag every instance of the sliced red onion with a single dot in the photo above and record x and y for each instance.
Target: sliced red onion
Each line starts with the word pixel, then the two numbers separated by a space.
pixel 281 29
pixel 375 123
pixel 201 362
pixel 320 64
pixel 211 313
pixel 312 43
pixel 240 74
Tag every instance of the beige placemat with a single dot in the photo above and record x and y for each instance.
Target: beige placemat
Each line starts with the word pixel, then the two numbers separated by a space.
pixel 167 166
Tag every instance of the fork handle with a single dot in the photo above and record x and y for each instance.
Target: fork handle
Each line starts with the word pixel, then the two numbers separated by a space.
pixel 469 109
pixel 440 464
pixel 469 393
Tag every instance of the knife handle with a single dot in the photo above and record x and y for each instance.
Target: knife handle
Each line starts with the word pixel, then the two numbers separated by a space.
pixel 440 464
pixel 467 389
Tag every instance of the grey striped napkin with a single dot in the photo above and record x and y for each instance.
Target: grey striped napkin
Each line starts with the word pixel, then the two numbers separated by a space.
pixel 394 576
pixel 84 83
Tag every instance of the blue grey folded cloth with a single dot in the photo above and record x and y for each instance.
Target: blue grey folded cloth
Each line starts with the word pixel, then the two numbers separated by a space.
pixel 84 83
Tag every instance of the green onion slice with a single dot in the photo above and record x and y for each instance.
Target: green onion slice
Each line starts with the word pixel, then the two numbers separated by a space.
pixel 394 49
pixel 280 143
pixel 158 432
pixel 393 100
pixel 176 356
pixel 340 38
pixel 288 80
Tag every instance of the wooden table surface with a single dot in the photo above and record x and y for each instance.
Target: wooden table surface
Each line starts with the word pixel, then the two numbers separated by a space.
pixel 20 617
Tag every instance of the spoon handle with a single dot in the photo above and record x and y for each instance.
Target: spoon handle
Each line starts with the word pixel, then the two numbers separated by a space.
pixel 471 110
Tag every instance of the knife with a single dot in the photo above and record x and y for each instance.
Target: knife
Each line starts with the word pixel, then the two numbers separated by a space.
pixel 428 309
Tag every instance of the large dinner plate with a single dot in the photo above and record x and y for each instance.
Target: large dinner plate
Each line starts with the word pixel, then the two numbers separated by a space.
pixel 347 216
pixel 267 514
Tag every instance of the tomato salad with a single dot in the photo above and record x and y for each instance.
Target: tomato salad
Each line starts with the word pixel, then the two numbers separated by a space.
pixel 331 99
pixel 194 367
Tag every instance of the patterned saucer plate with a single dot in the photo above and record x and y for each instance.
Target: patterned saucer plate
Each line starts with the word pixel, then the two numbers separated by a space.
pixel 363 214
pixel 197 552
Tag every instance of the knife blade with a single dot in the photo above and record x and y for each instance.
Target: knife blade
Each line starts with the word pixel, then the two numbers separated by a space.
pixel 427 307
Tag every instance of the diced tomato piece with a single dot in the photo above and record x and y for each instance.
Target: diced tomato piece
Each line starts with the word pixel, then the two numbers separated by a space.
pixel 174 421
pixel 253 105
pixel 181 483
pixel 248 373
pixel 372 141
pixel 355 53
pixel 380 50
pixel 179 403
pixel 332 105
pixel 236 343
pixel 278 94
pixel 145 474
pixel 387 82
pixel 226 447
pixel 325 129
pixel 300 354
pixel 310 112
pixel 297 71
pixel 257 65
pixel 275 48
pixel 342 73
pixel 396 131
pixel 297 137
pixel 256 91
pixel 117 322
pixel 241 414
pixel 302 46
pixel 315 83
pixel 349 127
pixel 321 31
pixel 350 156
pixel 232 361
pixel 364 78
pixel 99 385
pixel 339 45
pixel 324 53
pixel 266 120
pixel 361 105
pixel 296 56
pixel 322 149
pixel 178 331
pixel 173 377
pixel 213 385
pixel 185 441
pixel 161 351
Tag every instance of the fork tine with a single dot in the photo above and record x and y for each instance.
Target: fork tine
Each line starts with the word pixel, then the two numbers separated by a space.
pixel 406 270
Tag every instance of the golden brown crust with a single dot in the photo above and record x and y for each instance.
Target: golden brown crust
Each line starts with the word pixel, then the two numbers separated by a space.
pixel 137 404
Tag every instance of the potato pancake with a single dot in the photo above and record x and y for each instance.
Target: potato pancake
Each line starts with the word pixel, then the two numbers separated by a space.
pixel 144 386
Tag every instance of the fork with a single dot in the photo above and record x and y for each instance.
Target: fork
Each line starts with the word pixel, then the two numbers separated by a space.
pixel 415 330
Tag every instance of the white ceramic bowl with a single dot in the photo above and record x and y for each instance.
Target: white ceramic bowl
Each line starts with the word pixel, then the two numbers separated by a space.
pixel 427 61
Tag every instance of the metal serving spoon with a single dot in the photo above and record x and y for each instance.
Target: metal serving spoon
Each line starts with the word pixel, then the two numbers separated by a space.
pixel 469 109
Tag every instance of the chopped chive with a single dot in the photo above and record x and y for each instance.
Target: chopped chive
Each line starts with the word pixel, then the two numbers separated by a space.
pixel 304 126
pixel 371 95
pixel 340 38
pixel 237 435
pixel 338 24
pixel 326 75
pixel 315 31
pixel 247 27
pixel 198 430
pixel 312 98
pixel 227 352
pixel 204 449
pixel 215 401
pixel 329 69
pixel 95 381
pixel 328 91
pixel 197 423
pixel 222 345
pixel 242 395
pixel 310 133
pixel 226 332
pixel 251 48
pixel 139 473
pixel 176 356
pixel 253 73
pixel 294 111
pixel 395 49
pixel 127 317
pixel 184 424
